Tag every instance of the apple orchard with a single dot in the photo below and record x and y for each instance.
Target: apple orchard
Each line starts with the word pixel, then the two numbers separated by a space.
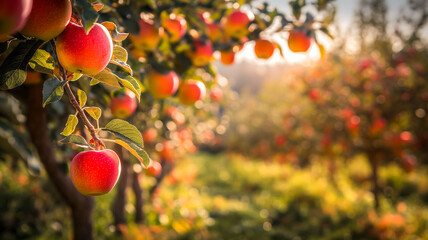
pixel 101 94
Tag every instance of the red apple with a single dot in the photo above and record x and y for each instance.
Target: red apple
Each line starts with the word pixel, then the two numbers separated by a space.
pixel 227 57
pixel 280 140
pixel 48 18
pixel 150 135
pixel 163 85
pixel 191 91
pixel 214 32
pixel 154 169
pixel 264 48
pixel 95 172
pixel 85 53
pixel 13 16
pixel 167 152
pixel 148 37
pixel 314 94
pixel 123 104
pixel 298 41
pixel 202 53
pixel 216 94
pixel 176 26
pixel 236 24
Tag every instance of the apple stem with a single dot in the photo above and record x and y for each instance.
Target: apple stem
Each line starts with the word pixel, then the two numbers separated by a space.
pixel 75 103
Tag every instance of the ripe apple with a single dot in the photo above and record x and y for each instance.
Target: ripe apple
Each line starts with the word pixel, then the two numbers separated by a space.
pixel 216 94
pixel 214 32
pixel 95 172
pixel 48 18
pixel 150 135
pixel 264 48
pixel 176 26
pixel 154 169
pixel 280 140
pixel 408 162
pixel 314 94
pixel 33 78
pixel 377 126
pixel 167 152
pixel 163 85
pixel 202 53
pixel 191 91
pixel 13 16
pixel 123 104
pixel 236 24
pixel 148 37
pixel 298 41
pixel 85 53
pixel 227 57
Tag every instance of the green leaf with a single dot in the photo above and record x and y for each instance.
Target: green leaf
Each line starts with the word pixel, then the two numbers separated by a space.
pixel 42 61
pixel 52 91
pixel 87 12
pixel 107 77
pixel 125 131
pixel 14 67
pixel 82 97
pixel 95 112
pixel 121 64
pixel 129 82
pixel 119 53
pixel 138 152
pixel 280 49
pixel 75 139
pixel 70 125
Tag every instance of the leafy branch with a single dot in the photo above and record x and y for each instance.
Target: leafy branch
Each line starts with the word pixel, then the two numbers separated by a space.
pixel 75 103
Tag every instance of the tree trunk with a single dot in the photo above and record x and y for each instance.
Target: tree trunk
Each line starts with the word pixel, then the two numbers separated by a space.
pixel 374 162
pixel 120 199
pixel 139 202
pixel 81 206
pixel 167 167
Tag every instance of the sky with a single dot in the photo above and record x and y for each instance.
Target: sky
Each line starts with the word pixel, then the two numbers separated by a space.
pixel 345 14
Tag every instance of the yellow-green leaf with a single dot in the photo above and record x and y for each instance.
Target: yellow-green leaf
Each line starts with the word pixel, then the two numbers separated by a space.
pixel 95 112
pixel 82 97
pixel 70 125
pixel 125 131
pixel 75 139
pixel 138 152
pixel 107 77
pixel 119 53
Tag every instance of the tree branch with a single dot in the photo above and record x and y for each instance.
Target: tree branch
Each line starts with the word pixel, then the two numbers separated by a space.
pixel 75 103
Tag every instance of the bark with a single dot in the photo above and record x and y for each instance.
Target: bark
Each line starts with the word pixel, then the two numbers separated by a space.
pixel 139 202
pixel 80 205
pixel 120 199
pixel 374 162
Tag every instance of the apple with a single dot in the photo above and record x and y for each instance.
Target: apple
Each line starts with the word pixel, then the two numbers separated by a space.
pixel 314 94
pixel 280 140
pixel 236 24
pixel 123 104
pixel 150 135
pixel 298 41
pixel 191 91
pixel 13 16
pixel 48 18
pixel 202 53
pixel 84 53
pixel 95 172
pixel 264 48
pixel 167 152
pixel 33 77
pixel 408 162
pixel 154 169
pixel 216 94
pixel 148 37
pixel 214 32
pixel 227 57
pixel 377 126
pixel 176 26
pixel 162 85
pixel 175 114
